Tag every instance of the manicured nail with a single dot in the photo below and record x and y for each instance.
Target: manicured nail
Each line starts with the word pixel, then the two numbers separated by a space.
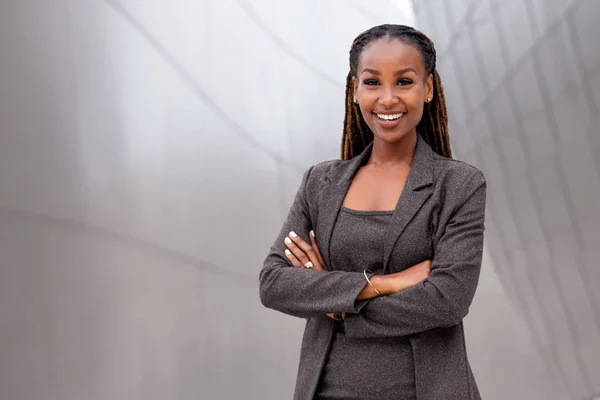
pixel 288 253
pixel 293 234
pixel 288 240
pixel 312 233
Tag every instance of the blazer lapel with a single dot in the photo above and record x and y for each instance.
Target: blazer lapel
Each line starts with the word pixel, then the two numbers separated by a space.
pixel 418 187
pixel 332 196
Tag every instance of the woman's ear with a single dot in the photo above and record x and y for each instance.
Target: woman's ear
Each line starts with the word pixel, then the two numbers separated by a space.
pixel 429 88
pixel 355 89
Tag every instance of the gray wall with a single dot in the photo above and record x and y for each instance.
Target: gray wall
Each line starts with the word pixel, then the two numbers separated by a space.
pixel 148 153
pixel 522 79
pixel 150 150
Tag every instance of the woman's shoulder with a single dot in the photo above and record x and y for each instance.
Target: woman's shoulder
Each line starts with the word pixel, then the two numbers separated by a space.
pixel 316 176
pixel 319 170
pixel 324 167
pixel 457 176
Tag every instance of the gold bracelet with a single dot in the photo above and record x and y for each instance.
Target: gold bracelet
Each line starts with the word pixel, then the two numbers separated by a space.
pixel 368 280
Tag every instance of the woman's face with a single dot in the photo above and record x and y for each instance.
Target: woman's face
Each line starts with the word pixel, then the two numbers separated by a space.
pixel 391 88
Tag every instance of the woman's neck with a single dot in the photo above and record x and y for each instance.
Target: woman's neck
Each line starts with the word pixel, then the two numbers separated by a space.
pixel 391 155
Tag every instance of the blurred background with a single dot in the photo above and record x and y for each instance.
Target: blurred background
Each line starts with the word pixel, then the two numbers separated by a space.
pixel 150 150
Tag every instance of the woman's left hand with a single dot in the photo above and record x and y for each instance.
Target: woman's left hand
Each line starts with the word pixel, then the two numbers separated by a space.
pixel 301 253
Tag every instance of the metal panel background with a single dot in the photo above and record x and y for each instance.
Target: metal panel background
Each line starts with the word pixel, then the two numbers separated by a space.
pixel 523 103
pixel 149 152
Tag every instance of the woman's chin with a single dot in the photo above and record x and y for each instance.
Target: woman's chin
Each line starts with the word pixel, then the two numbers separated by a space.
pixel 390 136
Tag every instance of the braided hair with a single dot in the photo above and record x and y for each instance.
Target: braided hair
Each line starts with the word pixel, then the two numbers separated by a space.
pixel 433 126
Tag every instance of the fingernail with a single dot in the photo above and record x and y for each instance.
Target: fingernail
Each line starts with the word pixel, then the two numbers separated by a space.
pixel 287 252
pixel 293 234
pixel 312 233
pixel 288 240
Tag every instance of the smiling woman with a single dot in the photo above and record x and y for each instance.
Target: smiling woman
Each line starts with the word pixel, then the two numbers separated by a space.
pixel 381 250
pixel 407 76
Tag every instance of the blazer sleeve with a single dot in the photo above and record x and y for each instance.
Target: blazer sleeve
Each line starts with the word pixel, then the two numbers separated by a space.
pixel 299 292
pixel 443 299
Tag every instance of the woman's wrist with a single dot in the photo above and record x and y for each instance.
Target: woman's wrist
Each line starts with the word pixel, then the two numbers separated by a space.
pixel 389 284
pixel 382 284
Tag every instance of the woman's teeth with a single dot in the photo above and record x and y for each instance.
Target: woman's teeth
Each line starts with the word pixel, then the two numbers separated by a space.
pixel 389 117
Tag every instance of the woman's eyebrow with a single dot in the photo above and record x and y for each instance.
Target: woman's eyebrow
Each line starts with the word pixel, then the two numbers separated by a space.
pixel 399 72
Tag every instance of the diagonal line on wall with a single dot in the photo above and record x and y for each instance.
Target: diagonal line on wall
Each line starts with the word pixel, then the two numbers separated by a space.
pixel 253 15
pixel 185 75
pixel 537 201
pixel 146 245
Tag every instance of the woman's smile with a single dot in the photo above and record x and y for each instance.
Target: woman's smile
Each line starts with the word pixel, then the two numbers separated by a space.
pixel 388 120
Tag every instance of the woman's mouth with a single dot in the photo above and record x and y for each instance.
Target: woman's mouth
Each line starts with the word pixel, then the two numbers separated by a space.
pixel 388 120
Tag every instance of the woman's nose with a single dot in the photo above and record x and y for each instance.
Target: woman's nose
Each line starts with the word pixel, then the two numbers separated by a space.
pixel 388 98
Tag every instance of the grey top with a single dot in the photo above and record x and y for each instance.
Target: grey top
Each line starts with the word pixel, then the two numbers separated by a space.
pixel 364 369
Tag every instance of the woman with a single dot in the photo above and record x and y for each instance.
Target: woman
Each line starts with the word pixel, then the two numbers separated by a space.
pixel 381 250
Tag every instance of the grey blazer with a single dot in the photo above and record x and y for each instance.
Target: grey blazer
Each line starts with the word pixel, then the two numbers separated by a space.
pixel 439 216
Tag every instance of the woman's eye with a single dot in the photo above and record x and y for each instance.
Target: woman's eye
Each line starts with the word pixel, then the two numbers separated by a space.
pixel 370 82
pixel 404 82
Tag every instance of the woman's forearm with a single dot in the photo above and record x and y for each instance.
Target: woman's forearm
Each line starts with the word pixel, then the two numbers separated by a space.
pixel 385 284
pixel 396 282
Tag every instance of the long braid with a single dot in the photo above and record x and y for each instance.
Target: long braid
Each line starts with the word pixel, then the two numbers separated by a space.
pixel 433 126
pixel 356 132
